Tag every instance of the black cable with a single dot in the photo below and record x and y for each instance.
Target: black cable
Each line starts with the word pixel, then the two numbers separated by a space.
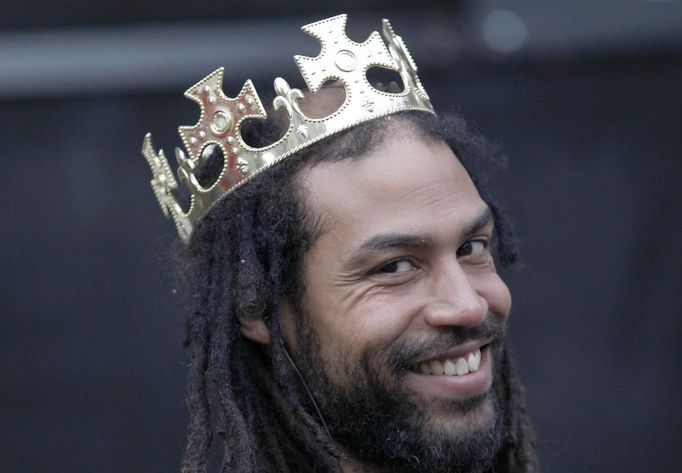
pixel 310 395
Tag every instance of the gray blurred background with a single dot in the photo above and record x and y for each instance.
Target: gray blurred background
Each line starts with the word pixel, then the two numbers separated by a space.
pixel 585 96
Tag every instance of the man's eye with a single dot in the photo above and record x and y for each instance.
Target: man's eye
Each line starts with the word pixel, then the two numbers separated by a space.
pixel 397 266
pixel 473 247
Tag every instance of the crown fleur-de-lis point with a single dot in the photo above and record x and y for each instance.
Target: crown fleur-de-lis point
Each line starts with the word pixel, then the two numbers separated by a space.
pixel 288 99
pixel 340 57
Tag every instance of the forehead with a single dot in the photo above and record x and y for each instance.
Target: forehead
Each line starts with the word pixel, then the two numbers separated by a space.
pixel 408 184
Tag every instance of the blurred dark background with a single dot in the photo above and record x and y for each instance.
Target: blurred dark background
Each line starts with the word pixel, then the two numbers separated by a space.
pixel 585 96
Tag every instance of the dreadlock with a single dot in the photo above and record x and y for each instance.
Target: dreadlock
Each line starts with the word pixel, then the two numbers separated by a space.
pixel 245 257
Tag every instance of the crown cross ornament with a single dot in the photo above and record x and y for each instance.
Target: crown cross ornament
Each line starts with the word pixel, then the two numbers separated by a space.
pixel 341 58
pixel 221 117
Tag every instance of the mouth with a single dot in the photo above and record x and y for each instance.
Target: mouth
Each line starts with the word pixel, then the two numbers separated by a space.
pixel 451 366
pixel 461 372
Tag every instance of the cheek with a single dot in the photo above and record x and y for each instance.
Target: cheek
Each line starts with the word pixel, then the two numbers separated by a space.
pixel 372 325
pixel 368 327
pixel 352 323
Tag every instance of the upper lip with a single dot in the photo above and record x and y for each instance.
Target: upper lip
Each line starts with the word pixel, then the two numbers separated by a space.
pixel 455 352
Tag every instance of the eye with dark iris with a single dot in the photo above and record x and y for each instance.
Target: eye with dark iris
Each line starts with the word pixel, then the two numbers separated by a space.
pixel 472 247
pixel 396 266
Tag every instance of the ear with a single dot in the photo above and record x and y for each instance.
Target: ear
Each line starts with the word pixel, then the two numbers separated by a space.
pixel 255 329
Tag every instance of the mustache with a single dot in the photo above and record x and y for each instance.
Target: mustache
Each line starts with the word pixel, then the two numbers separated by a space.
pixel 407 353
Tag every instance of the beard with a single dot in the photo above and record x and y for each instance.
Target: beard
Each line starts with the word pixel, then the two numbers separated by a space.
pixel 375 418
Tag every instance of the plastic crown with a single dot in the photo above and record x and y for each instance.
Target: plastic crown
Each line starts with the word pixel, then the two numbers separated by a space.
pixel 221 117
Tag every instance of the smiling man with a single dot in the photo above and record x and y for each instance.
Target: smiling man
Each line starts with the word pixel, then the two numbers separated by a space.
pixel 348 315
pixel 403 313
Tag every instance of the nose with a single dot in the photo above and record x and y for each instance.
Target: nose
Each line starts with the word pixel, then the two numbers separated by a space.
pixel 453 298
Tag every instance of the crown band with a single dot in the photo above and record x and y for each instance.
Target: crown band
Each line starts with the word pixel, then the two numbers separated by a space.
pixel 221 117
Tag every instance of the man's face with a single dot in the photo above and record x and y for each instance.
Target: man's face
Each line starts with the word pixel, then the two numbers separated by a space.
pixel 403 311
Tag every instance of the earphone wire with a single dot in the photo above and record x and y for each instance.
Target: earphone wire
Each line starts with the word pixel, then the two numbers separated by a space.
pixel 310 395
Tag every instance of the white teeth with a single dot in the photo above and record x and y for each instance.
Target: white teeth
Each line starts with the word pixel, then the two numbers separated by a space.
pixel 449 368
pixel 453 367
pixel 474 360
pixel 436 367
pixel 462 366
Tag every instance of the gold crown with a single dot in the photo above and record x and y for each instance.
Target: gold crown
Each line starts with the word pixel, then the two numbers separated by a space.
pixel 221 117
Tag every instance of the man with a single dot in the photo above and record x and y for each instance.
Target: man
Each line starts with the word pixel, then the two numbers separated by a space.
pixel 348 315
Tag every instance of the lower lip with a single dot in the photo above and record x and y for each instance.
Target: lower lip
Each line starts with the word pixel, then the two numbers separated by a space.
pixel 455 387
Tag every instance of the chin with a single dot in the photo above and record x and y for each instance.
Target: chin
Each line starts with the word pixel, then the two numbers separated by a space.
pixel 463 418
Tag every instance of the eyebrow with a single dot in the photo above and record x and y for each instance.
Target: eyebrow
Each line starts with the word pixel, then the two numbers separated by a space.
pixel 481 222
pixel 387 241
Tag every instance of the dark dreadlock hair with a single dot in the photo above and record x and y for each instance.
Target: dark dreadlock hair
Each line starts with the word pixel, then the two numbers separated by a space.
pixel 246 256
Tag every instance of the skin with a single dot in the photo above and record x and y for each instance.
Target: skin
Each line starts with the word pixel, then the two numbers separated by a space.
pixel 367 291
